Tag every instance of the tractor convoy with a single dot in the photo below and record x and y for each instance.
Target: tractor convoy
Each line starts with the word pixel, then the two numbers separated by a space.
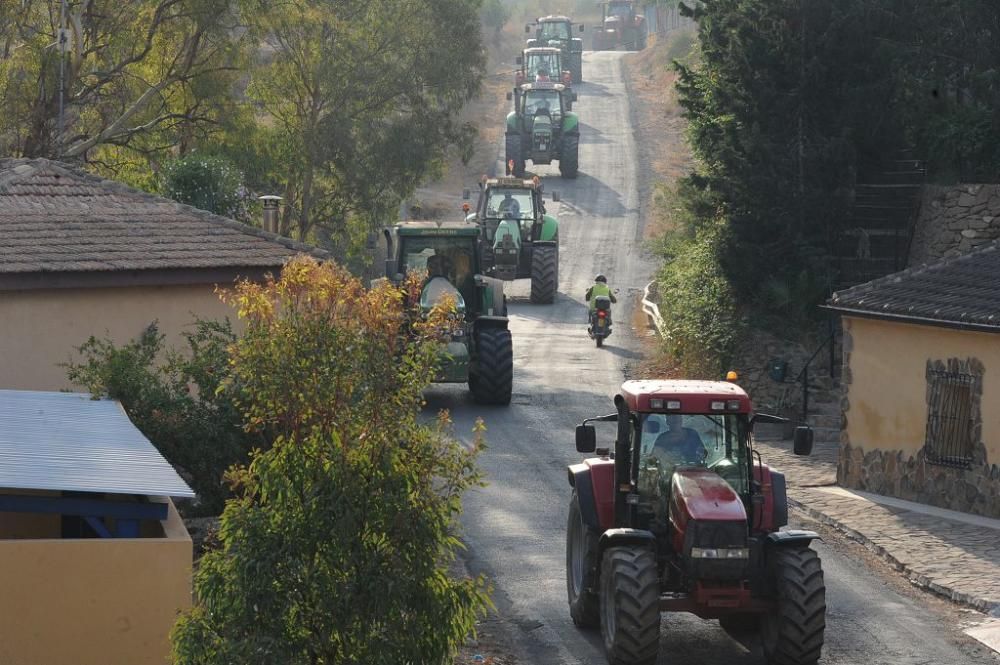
pixel 677 513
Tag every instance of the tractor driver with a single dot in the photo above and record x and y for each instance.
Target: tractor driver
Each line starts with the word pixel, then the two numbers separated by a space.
pixel 542 76
pixel 509 207
pixel 679 445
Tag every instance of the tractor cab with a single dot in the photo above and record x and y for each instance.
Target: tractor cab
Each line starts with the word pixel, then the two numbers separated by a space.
pixel 446 255
pixel 539 64
pixel 621 25
pixel 684 511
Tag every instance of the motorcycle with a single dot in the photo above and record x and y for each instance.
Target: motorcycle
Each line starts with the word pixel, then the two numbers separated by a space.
pixel 600 320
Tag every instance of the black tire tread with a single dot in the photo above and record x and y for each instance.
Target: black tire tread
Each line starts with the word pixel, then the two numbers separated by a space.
pixel 544 273
pixel 569 156
pixel 494 378
pixel 585 608
pixel 512 151
pixel 636 590
pixel 799 621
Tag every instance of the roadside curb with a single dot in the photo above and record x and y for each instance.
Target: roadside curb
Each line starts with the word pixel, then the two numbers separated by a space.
pixel 922 581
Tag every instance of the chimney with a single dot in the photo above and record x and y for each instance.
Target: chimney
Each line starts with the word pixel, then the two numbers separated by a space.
pixel 271 223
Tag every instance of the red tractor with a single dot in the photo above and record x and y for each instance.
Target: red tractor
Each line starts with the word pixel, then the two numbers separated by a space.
pixel 621 25
pixel 682 516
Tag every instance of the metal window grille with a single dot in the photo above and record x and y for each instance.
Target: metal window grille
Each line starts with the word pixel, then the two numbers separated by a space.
pixel 949 419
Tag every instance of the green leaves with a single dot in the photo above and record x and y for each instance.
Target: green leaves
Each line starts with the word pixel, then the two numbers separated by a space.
pixel 337 546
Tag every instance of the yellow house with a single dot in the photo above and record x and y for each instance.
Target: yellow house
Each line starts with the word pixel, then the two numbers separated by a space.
pixel 85 256
pixel 95 563
pixel 921 384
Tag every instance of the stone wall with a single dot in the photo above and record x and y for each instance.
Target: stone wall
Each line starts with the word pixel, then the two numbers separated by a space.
pixel 910 476
pixel 954 220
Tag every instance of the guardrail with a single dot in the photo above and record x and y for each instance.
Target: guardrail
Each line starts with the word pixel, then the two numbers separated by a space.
pixel 652 310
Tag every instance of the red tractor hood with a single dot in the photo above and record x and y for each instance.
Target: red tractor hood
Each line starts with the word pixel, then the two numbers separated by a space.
pixel 700 494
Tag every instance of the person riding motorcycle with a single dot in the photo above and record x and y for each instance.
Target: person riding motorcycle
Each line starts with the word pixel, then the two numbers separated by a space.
pixel 600 288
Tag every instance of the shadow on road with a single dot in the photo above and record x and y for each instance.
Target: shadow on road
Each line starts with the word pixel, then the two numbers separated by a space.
pixel 591 135
pixel 592 196
pixel 593 90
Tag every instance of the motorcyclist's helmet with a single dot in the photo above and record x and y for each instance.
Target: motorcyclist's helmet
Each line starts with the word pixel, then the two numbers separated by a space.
pixel 601 278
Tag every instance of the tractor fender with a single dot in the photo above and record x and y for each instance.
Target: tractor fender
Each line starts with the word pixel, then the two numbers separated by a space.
pixel 580 480
pixel 791 537
pixel 491 322
pixel 576 45
pixel 549 230
pixel 472 218
pixel 512 127
pixel 779 498
pixel 570 124
pixel 617 537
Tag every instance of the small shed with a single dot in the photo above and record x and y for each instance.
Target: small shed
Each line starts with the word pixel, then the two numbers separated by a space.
pixel 95 562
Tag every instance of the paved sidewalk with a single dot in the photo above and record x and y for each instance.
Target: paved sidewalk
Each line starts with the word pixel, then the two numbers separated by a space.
pixel 953 554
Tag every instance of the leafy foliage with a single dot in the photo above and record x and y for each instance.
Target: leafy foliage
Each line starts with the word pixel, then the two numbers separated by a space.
pixel 207 182
pixel 177 400
pixel 335 549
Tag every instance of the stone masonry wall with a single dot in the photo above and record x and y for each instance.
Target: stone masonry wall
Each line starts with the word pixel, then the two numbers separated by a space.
pixel 887 472
pixel 954 220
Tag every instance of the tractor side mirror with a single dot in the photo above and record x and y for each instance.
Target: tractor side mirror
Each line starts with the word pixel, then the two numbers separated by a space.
pixel 390 269
pixel 510 96
pixel 581 27
pixel 586 439
pixel 466 194
pixel 574 96
pixel 527 29
pixel 556 197
pixel 519 60
pixel 802 444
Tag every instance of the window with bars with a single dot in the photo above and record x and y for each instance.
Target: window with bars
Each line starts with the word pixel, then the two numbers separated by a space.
pixel 950 422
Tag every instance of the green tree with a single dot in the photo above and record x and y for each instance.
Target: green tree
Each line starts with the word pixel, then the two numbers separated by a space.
pixel 205 181
pixel 363 98
pixel 336 548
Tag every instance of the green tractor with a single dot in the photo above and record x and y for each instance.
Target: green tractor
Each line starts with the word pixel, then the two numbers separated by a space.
pixel 517 238
pixel 479 351
pixel 542 129
pixel 557 31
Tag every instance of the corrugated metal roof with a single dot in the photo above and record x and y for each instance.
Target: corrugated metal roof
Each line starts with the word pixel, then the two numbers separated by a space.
pixel 70 442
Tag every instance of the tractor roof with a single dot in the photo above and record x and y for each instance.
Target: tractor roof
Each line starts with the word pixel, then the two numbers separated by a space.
pixel 542 85
pixel 554 18
pixel 694 396
pixel 507 181
pixel 435 228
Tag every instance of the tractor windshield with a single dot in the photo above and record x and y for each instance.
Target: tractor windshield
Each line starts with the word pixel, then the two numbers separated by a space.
pixel 538 101
pixel 620 9
pixel 543 63
pixel 556 30
pixel 715 441
pixel 447 256
pixel 510 204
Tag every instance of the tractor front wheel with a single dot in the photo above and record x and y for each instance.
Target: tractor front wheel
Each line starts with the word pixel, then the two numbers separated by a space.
pixel 514 154
pixel 569 157
pixel 630 606
pixel 582 559
pixel 792 634
pixel 544 273
pixel 493 380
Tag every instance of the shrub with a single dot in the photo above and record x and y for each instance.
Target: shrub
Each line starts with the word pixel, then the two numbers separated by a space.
pixel 336 547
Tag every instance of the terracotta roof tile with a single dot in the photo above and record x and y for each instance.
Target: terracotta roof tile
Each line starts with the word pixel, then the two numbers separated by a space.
pixel 962 291
pixel 55 217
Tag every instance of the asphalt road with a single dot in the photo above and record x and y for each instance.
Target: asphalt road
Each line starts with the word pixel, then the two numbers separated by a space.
pixel 515 527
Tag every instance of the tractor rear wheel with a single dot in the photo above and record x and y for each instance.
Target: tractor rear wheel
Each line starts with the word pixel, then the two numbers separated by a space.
pixel 544 273
pixel 630 606
pixel 793 633
pixel 640 41
pixel 514 154
pixel 582 559
pixel 493 380
pixel 576 68
pixel 569 156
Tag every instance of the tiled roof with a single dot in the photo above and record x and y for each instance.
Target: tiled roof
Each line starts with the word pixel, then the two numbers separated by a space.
pixel 57 218
pixel 963 291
